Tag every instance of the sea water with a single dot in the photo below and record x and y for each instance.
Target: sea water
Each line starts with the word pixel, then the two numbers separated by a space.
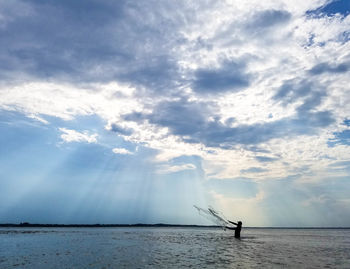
pixel 173 248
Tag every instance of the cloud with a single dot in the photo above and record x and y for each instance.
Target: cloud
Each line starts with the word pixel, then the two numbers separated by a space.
pixel 185 82
pixel 231 76
pixel 340 164
pixel 308 96
pixel 265 159
pixel 326 67
pixel 234 208
pixel 268 18
pixel 296 90
pixel 182 117
pixel 122 151
pixel 120 130
pixel 196 122
pixel 165 169
pixel 36 117
pixel 98 42
pixel 241 187
pixel 75 136
pixel 253 170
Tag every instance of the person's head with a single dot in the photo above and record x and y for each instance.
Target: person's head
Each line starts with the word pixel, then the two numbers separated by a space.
pixel 240 223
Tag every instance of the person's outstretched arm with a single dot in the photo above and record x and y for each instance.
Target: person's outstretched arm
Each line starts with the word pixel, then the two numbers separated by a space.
pixel 233 222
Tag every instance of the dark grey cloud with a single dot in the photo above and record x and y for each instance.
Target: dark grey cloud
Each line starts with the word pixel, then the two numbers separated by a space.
pixel 58 36
pixel 301 90
pixel 293 90
pixel 311 96
pixel 95 41
pixel 218 135
pixel 135 116
pixel 257 149
pixel 268 19
pixel 328 68
pixel 120 130
pixel 196 122
pixel 231 76
pixel 182 117
pixel 344 37
pixel 312 101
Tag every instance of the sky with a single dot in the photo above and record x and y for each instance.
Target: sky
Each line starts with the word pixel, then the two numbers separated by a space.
pixel 134 111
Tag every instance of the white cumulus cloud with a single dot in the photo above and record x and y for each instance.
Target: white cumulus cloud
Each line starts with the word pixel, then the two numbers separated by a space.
pixel 122 151
pixel 75 136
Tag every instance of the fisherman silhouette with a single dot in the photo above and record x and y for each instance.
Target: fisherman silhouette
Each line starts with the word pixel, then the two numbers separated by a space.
pixel 237 229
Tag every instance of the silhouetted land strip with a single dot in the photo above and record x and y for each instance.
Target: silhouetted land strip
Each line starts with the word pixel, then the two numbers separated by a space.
pixel 37 225
pixel 34 225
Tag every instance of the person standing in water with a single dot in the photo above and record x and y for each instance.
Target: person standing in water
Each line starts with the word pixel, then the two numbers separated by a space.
pixel 237 229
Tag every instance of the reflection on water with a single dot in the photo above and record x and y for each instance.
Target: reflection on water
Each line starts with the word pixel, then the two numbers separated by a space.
pixel 173 248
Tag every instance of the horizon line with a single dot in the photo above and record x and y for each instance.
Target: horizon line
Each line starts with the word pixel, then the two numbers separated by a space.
pixel 80 225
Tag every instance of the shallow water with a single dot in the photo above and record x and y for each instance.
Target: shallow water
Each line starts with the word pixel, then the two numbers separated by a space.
pixel 173 248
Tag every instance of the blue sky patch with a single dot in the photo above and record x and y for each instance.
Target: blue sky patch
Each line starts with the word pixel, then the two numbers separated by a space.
pixel 333 7
pixel 342 138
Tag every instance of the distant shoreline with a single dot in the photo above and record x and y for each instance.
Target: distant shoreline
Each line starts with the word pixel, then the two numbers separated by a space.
pixel 33 225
